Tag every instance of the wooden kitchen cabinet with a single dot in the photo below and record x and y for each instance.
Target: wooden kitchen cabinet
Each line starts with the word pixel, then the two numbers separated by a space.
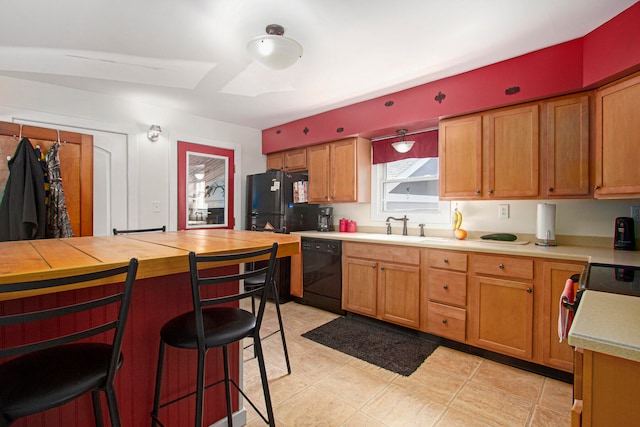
pixel 290 160
pixel 512 146
pixel 340 171
pixel 501 305
pixel 460 152
pixel 566 147
pixel 382 281
pixel 617 138
pixel 445 299
pixel 555 354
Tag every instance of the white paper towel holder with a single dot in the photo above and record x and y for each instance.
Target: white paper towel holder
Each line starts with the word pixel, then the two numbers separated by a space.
pixel 544 235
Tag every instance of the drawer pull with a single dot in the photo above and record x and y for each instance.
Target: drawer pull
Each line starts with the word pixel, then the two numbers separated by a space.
pixel 501 266
pixel 529 290
pixel 444 321
pixel 446 261
pixel 445 287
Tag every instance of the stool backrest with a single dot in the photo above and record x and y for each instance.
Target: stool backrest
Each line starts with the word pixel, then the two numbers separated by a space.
pixel 123 298
pixel 196 263
pixel 140 230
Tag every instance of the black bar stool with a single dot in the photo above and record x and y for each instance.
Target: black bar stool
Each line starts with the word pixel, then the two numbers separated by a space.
pixel 140 230
pixel 214 323
pixel 48 373
pixel 258 281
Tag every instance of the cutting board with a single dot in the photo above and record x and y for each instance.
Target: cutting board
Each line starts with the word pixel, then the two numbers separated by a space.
pixel 505 242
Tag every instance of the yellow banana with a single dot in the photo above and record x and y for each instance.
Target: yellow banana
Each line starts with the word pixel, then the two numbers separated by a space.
pixel 457 219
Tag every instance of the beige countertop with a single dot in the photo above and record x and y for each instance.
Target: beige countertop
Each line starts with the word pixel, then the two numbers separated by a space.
pixel 604 255
pixel 607 323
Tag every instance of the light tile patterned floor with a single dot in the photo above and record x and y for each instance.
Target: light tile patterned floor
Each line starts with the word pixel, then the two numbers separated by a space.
pixel 451 388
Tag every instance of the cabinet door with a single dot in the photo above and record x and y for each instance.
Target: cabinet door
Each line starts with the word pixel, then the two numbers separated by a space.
pixel 359 286
pixel 555 353
pixel 567 147
pixel 343 187
pixel 275 161
pixel 399 292
pixel 460 152
pixel 319 163
pixel 617 138
pixel 295 160
pixel 502 316
pixel 513 144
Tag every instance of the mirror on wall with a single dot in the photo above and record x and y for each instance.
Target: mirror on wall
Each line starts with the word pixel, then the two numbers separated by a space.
pixel 206 192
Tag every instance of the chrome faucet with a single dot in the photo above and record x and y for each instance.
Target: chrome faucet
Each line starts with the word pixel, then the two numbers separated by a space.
pixel 404 225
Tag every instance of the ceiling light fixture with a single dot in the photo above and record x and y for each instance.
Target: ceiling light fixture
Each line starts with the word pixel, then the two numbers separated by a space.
pixel 274 50
pixel 402 146
pixel 154 133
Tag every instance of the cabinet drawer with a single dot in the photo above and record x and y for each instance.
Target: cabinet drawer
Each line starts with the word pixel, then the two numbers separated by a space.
pixel 389 253
pixel 448 260
pixel 503 266
pixel 446 321
pixel 447 287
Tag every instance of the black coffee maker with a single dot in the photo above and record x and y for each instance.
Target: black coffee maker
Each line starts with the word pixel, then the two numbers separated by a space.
pixel 325 219
pixel 625 234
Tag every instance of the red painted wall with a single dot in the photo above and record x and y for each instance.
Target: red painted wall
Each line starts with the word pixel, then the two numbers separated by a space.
pixel 568 67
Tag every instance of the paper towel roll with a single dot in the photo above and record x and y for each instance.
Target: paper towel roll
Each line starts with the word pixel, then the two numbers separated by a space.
pixel 546 221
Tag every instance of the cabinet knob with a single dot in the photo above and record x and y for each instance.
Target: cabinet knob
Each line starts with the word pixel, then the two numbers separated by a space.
pixel 382 268
pixel 501 266
pixel 477 191
pixel 596 187
pixel 373 266
pixel 491 191
pixel 444 321
pixel 445 287
pixel 550 189
pixel 446 261
pixel 529 290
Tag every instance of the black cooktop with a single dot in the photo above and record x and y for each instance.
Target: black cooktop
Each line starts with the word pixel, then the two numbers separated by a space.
pixel 617 279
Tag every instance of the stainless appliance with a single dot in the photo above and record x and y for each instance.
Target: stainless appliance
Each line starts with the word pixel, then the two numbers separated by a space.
pixel 612 278
pixel 624 234
pixel 322 274
pixel 271 207
pixel 325 219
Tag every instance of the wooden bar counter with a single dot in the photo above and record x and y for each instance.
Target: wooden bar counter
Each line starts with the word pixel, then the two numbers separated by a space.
pixel 161 292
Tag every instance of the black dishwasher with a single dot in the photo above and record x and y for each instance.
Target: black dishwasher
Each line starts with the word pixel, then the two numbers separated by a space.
pixel 322 273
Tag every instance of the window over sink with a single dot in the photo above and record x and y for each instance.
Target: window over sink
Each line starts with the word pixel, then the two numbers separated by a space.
pixel 408 187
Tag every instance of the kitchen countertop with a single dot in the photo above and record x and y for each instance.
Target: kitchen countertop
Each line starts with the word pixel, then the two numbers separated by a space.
pixel 607 323
pixel 561 252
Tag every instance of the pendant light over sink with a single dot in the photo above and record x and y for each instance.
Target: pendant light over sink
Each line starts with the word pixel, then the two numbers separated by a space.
pixel 402 146
pixel 274 50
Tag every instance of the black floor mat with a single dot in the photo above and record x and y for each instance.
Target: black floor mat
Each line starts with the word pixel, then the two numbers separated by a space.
pixel 392 350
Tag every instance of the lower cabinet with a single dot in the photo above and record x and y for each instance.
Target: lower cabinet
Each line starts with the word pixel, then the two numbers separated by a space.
pixel 382 281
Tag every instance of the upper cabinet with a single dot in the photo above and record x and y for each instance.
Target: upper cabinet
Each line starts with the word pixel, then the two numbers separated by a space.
pixel 617 138
pixel 535 150
pixel 340 171
pixel 290 161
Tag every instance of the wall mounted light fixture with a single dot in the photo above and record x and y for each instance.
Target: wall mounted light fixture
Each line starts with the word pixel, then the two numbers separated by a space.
pixel 402 146
pixel 274 50
pixel 154 133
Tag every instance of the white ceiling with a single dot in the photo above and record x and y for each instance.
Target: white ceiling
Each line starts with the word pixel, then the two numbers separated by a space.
pixel 190 55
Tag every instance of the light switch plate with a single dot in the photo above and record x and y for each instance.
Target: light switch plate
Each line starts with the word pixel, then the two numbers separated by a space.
pixel 503 211
pixel 635 213
pixel 155 207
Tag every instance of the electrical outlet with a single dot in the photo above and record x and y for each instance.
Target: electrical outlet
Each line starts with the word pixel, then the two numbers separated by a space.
pixel 635 213
pixel 503 211
pixel 155 207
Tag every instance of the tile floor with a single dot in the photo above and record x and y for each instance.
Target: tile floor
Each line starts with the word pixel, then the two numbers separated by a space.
pixel 451 388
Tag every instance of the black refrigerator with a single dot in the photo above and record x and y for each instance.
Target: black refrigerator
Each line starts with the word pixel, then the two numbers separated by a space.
pixel 275 204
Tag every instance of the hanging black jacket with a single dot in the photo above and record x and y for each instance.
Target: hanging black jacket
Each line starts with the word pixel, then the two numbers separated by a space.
pixel 23 213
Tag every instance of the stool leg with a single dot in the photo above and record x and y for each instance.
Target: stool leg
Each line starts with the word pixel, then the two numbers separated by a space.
pixel 276 299
pixel 227 385
pixel 263 377
pixel 156 396
pixel 112 404
pixel 200 388
pixel 97 407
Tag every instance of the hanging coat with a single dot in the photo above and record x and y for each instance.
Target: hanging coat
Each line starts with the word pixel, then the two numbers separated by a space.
pixel 58 221
pixel 22 211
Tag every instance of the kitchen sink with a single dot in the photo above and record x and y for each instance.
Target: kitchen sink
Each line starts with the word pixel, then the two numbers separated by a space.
pixel 400 238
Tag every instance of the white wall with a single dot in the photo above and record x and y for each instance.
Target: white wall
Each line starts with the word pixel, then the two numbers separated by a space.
pixel 573 217
pixel 152 167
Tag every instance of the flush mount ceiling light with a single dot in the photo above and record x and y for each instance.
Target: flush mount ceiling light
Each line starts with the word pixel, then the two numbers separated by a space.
pixel 154 133
pixel 274 50
pixel 402 146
